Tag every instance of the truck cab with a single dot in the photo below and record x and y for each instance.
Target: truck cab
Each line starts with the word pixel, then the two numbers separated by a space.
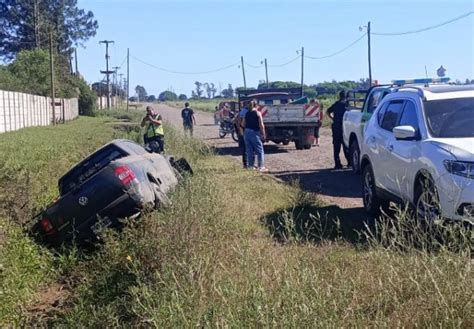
pixel 359 112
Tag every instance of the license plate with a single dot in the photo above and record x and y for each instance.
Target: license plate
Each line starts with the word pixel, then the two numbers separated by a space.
pixel 102 222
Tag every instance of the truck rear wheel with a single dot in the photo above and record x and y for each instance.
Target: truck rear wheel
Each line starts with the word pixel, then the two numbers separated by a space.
pixel 307 146
pixel 355 157
pixel 298 145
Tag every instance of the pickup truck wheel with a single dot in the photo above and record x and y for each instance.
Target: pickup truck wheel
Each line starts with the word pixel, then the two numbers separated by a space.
pixel 286 142
pixel 372 202
pixel 298 145
pixel 355 157
pixel 307 146
pixel 160 198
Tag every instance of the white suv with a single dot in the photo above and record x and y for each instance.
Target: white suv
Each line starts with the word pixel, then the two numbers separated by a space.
pixel 419 149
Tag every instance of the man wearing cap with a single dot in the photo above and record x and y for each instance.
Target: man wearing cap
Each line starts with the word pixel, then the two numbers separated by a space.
pixel 154 135
pixel 336 114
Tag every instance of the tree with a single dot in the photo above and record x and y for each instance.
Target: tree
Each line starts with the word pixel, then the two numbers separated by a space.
pixel 151 98
pixel 213 89
pixel 199 90
pixel 228 92
pixel 87 98
pixel 167 96
pixel 30 73
pixel 182 97
pixel 70 25
pixel 141 92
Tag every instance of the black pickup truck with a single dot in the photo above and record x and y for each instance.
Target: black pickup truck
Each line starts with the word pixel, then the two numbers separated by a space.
pixel 118 180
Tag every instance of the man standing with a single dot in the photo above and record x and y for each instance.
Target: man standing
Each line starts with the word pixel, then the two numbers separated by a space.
pixel 336 114
pixel 154 136
pixel 319 106
pixel 188 119
pixel 240 131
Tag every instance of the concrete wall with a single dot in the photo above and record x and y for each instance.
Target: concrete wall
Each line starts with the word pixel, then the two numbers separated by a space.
pixel 114 102
pixel 19 110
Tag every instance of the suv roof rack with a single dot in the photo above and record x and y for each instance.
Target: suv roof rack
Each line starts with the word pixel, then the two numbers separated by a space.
pixel 416 88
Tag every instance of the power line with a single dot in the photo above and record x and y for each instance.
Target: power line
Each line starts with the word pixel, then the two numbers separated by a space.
pixel 425 28
pixel 254 66
pixel 182 72
pixel 123 62
pixel 284 64
pixel 339 51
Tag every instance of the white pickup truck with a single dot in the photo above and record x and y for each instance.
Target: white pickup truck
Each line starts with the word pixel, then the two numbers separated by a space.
pixel 356 117
pixel 286 115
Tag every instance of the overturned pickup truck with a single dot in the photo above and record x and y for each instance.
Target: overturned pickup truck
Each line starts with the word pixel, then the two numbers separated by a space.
pixel 119 180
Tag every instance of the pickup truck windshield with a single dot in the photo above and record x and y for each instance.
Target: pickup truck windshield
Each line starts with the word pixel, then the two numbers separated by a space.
pixel 89 167
pixel 450 118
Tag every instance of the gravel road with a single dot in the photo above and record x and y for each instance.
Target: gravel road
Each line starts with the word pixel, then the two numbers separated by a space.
pixel 312 168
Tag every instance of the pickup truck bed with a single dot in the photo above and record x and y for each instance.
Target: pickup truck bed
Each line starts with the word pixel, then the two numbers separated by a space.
pixel 285 121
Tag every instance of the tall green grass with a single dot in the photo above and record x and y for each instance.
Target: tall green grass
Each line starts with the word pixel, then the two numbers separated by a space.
pixel 214 259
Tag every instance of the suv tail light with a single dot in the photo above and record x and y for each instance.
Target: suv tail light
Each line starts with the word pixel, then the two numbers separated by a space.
pixel 47 226
pixel 125 175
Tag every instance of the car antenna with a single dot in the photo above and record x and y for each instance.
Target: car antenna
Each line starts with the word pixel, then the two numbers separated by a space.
pixel 426 73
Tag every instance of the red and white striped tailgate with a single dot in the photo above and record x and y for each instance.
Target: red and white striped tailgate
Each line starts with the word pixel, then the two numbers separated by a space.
pixel 311 110
pixel 262 109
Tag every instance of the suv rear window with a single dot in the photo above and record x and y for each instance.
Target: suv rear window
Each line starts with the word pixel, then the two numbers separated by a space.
pixel 89 167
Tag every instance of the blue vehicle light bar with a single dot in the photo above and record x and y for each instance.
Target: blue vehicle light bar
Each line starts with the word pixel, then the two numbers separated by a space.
pixel 419 81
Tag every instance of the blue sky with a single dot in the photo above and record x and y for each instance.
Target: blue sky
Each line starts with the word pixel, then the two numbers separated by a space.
pixel 196 36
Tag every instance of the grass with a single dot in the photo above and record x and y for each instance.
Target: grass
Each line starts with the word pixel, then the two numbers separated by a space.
pixel 205 105
pixel 234 249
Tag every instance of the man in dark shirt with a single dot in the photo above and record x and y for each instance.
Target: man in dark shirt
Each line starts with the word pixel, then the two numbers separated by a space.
pixel 336 114
pixel 188 119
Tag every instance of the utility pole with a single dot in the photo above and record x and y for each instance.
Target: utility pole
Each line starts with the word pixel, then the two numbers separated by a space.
pixel 266 73
pixel 107 72
pixel 51 68
pixel 370 65
pixel 128 75
pixel 36 23
pixel 243 71
pixel 115 68
pixel 302 70
pixel 75 59
pixel 121 84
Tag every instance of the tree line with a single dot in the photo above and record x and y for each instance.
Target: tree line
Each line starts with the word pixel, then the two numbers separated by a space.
pixel 207 90
pixel 26 27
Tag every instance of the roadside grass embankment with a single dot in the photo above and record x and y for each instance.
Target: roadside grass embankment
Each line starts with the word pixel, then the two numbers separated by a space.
pixel 234 248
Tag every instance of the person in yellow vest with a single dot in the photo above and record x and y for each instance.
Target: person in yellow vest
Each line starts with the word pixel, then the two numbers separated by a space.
pixel 154 136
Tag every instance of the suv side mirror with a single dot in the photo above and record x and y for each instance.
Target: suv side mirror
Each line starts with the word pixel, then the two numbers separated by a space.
pixel 405 133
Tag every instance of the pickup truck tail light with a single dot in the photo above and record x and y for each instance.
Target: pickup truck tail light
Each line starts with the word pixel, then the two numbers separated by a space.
pixel 125 175
pixel 47 226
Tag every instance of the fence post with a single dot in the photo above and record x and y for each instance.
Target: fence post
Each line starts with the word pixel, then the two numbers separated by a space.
pixel 23 109
pixel 63 110
pixel 4 111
